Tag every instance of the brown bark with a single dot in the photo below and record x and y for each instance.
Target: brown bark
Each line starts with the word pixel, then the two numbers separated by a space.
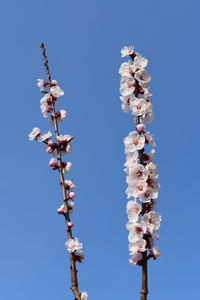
pixel 74 278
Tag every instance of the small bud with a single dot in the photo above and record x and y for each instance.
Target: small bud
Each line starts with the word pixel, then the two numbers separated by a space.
pixel 60 210
pixel 53 163
pixel 140 128
pixel 71 195
pixel 49 149
pixel 70 224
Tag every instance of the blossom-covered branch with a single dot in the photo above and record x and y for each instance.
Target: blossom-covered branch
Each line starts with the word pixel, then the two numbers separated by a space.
pixel 141 171
pixel 57 148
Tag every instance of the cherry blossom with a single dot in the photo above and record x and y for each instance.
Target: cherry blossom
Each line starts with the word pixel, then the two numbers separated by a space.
pixel 67 167
pixel 134 141
pixel 148 194
pixel 138 107
pixel 139 245
pixel 56 91
pixel 73 245
pixel 143 77
pixel 142 173
pixel 34 134
pixel 135 258
pixel 137 231
pixel 140 62
pixel 126 69
pixel 127 50
pixel 84 296
pixel 127 86
pixel 70 205
pixel 79 255
pixel 136 173
pixel 41 84
pixel 139 187
pixel 152 220
pixel 69 185
pixel 133 209
pixel 155 251
pixel 131 161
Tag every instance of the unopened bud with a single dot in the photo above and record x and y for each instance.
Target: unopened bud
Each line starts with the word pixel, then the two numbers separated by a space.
pixel 53 163
pixel 60 210
pixel 71 195
pixel 140 128
pixel 70 224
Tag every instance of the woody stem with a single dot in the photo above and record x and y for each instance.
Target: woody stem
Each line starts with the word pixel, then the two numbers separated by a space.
pixel 73 270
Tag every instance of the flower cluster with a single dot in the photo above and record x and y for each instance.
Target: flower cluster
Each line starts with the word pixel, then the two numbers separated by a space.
pixel 142 173
pixel 62 145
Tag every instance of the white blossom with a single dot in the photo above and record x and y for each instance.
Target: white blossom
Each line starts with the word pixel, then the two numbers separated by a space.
pixel 41 84
pixel 148 194
pixel 140 62
pixel 73 245
pixel 56 91
pixel 84 295
pixel 64 138
pixel 138 172
pixel 139 245
pixel 63 114
pixel 45 136
pixel 135 258
pixel 143 77
pixel 34 134
pixel 139 187
pixel 79 255
pixel 155 251
pixel 134 141
pixel 133 209
pixel 152 221
pixel 67 167
pixel 125 103
pixel 149 139
pixel 138 106
pixel 131 161
pixel 127 50
pixel 126 69
pixel 152 170
pixel 127 86
pixel 137 231
pixel 149 114
pixel 46 100
pixel 69 185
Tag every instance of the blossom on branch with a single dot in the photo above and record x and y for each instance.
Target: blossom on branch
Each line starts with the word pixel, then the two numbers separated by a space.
pixel 142 173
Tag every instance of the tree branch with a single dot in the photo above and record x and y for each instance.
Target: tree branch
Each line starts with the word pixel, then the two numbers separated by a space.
pixel 74 278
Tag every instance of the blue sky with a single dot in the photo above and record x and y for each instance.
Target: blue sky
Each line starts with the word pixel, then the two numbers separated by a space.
pixel 83 40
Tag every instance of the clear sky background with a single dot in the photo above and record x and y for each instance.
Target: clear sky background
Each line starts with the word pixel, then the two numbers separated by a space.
pixel 83 40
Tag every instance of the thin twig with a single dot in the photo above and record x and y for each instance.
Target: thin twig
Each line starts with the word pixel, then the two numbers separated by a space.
pixel 74 279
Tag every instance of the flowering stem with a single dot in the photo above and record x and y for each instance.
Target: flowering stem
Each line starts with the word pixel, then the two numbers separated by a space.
pixel 74 279
pixel 144 290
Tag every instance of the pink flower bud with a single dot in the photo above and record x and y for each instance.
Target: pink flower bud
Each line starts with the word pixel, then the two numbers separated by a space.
pixel 140 128
pixel 53 163
pixel 49 149
pixel 71 195
pixel 60 210
pixel 70 224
